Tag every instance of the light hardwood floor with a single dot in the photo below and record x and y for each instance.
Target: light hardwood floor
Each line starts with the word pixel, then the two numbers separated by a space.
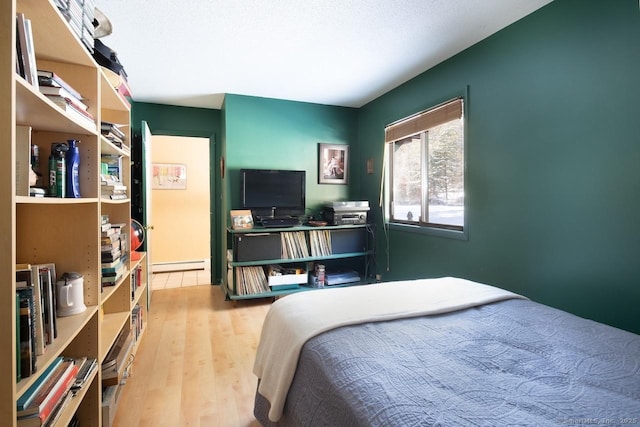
pixel 194 363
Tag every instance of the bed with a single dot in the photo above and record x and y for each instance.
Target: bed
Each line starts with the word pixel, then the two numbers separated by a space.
pixel 440 352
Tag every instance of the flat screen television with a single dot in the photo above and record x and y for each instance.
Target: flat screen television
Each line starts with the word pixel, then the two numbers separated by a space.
pixel 269 192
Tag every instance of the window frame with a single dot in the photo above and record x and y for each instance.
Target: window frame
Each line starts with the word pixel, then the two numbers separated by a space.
pixel 439 230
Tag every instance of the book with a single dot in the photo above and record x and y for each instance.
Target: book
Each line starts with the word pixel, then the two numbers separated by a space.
pixel 51 91
pixel 111 250
pixel 36 192
pixel 75 102
pixel 49 396
pixel 113 165
pixel 108 232
pixel 58 409
pixel 112 264
pixel 110 257
pixel 86 367
pixel 49 78
pixel 116 196
pixel 27 397
pixel 113 187
pixel 24 280
pixel 27 352
pixel 69 106
pixel 18 343
pixel 115 140
pixel 116 358
pixel 46 274
pixel 20 62
pixel 27 48
pixel 107 127
pixel 112 267
pixel 118 269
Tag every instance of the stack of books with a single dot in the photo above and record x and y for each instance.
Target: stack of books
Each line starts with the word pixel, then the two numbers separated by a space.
pixel 114 134
pixel 111 188
pixel 137 321
pixel 64 96
pixel 111 254
pixel 79 14
pixel 45 400
pixel 111 177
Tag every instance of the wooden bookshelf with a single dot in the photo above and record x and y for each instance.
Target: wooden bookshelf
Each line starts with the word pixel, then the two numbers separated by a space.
pixel 65 232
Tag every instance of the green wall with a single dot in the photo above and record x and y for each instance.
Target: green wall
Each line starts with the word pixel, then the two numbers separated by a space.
pixel 553 172
pixel 266 133
pixel 175 120
pixel 553 176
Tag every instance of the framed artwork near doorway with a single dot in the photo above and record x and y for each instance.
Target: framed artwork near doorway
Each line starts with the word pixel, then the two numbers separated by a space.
pixel 169 176
pixel 333 163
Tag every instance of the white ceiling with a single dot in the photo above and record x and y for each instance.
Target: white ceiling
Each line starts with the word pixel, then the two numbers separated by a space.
pixel 335 52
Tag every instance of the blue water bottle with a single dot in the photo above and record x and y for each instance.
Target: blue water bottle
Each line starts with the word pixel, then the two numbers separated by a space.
pixel 73 169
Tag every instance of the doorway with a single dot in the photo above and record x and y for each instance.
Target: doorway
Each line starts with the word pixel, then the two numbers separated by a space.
pixel 180 202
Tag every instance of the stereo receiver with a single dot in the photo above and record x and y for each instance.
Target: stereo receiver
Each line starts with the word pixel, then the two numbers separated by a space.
pixel 345 213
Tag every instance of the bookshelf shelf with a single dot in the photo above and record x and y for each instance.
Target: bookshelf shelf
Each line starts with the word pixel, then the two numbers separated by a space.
pixel 109 291
pixel 137 296
pixel 108 147
pixel 60 231
pixel 26 200
pixel 37 111
pixel 114 201
pixel 51 31
pixel 69 328
pixel 297 260
pixel 112 324
pixel 111 99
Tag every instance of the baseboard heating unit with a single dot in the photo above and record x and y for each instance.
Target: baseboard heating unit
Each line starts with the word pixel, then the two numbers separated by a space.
pixel 162 267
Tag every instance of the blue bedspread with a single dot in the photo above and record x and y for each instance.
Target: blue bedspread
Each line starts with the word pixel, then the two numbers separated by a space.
pixel 514 362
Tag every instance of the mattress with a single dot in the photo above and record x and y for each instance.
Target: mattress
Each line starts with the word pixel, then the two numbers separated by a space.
pixel 513 362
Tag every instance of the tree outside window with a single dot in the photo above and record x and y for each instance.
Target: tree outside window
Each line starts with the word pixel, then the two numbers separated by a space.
pixel 427 176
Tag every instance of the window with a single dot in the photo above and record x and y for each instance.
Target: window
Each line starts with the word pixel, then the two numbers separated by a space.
pixel 427 168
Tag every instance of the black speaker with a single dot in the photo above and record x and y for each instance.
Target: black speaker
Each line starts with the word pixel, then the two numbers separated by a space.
pixel 349 240
pixel 257 247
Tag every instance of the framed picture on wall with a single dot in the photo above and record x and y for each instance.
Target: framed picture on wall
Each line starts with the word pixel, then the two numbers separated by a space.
pixel 169 176
pixel 333 163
